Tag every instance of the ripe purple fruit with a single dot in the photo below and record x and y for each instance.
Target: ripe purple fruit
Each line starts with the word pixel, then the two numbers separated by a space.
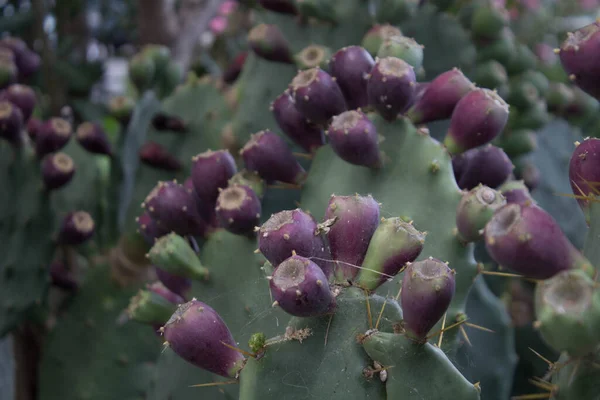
pixel 177 284
pixel 53 135
pixel 300 288
pixel 57 170
pixel 62 277
pixel 474 211
pixel 165 122
pixel 238 209
pixel 33 127
pixel 196 333
pixel 350 66
pixel 440 97
pixel 11 122
pixel 579 57
pixel 269 155
pixel 172 207
pixel 77 228
pixel 211 170
pixel 149 229
pixel 317 95
pixel 268 42
pixel 23 97
pixel 295 125
pixel 516 192
pixel 477 119
pixel 488 165
pixel 427 290
pixel 354 139
pixel 391 87
pixel 157 156
pixel 584 171
pixel 91 137
pixel 356 219
pixel 394 244
pixel 527 240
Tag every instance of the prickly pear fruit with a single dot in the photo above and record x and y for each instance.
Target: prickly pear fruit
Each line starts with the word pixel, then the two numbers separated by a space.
pixel 295 125
pixel 427 290
pixel 350 66
pixel 61 277
pixel 374 38
pixel 523 95
pixel 489 20
pixel 52 136
pixel 404 48
pixel 391 87
pixel 487 165
pixel 196 333
pixel 250 179
pixel 149 229
pixel 23 97
pixel 287 232
pixel 210 172
pixel 500 49
pixel 165 122
pixel 584 171
pixel 353 137
pixel 279 6
pixel 269 155
pixel 157 156
pixel 8 72
pixel 393 244
pixel 356 219
pixel 141 71
pixel 440 97
pixel 529 173
pixel 238 209
pixel 57 170
pixel 33 127
pixel 518 142
pixel 11 122
pixel 300 288
pixel 313 56
pixel 477 119
pixel 516 192
pixel 174 208
pixel 490 74
pixel 474 211
pixel 579 57
pixel 233 71
pixel 527 240
pixel 121 107
pixel 154 305
pixel 180 285
pixel 174 254
pixel 77 228
pixel 92 137
pixel 268 42
pixel 317 95
pixel 567 308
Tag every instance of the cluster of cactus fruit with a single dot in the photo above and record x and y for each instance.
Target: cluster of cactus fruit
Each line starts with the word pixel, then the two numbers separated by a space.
pixel 365 241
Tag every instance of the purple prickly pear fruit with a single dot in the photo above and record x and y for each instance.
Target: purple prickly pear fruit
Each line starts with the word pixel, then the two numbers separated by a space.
pixel 374 38
pixel 61 277
pixel 52 136
pixel 488 165
pixel 350 66
pixel 295 125
pixel 11 122
pixel 527 240
pixel 28 63
pixel 440 97
pixel 280 6
pixel 174 254
pixel 391 87
pixel 154 305
pixel 165 122
pixel 77 228
pixel 33 127
pixel 354 139
pixel 177 284
pixel 149 229
pixel 394 244
pixel 287 232
pixel 156 156
pixel 196 333
pixel 92 137
pixel 233 71
pixel 313 56
pixel 206 211
pixel 427 290
pixel 238 209
pixel 211 170
pixel 300 288
pixel 584 171
pixel 516 192
pixel 173 208
pixel 250 179
pixel 269 155
pixel 57 170
pixel 317 95
pixel 579 57
pixel 474 211
pixel 268 42
pixel 23 97
pixel 477 119
pixel 356 219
